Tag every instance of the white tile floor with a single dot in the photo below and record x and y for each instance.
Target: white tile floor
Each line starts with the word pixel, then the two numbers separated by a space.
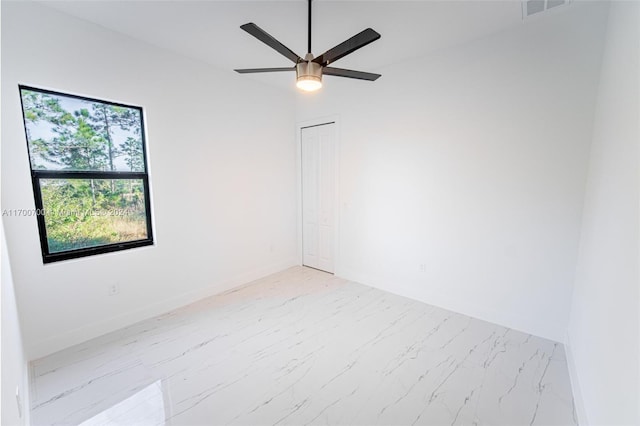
pixel 304 347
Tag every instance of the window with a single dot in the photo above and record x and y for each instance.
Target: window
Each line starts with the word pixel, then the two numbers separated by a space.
pixel 89 174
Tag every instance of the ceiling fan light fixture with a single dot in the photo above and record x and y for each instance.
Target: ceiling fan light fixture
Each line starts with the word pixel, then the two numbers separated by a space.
pixel 308 76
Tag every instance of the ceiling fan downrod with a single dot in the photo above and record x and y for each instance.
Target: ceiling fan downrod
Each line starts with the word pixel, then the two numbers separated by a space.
pixel 309 29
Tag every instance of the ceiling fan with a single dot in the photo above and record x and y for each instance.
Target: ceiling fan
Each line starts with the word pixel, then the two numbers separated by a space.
pixel 309 70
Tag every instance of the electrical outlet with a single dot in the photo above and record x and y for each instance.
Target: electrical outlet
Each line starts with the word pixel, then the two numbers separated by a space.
pixel 423 267
pixel 113 289
pixel 19 401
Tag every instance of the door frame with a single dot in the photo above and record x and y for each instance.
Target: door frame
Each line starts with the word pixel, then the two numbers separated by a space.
pixel 330 119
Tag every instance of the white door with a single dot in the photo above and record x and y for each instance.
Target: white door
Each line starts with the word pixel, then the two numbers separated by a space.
pixel 318 186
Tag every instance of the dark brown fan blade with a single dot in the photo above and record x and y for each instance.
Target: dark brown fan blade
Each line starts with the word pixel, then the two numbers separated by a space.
pixel 255 70
pixel 267 39
pixel 340 72
pixel 354 43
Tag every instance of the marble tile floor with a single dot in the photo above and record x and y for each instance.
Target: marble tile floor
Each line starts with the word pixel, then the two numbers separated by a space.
pixel 302 347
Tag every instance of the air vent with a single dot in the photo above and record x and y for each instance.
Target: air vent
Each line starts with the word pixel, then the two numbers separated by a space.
pixel 534 7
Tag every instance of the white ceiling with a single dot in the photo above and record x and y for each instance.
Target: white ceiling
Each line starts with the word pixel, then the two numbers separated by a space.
pixel 209 30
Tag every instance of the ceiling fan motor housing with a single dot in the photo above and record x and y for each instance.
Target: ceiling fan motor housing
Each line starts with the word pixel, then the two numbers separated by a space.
pixel 308 70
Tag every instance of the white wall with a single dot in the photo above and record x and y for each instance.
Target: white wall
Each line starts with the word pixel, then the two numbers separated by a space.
pixel 472 161
pixel 222 163
pixel 604 328
pixel 14 368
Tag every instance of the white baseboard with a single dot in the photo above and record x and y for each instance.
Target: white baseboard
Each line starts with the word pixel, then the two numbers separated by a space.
pixel 578 402
pixel 467 308
pixel 90 331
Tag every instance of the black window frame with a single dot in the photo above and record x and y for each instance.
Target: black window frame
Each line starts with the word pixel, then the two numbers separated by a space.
pixel 37 175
